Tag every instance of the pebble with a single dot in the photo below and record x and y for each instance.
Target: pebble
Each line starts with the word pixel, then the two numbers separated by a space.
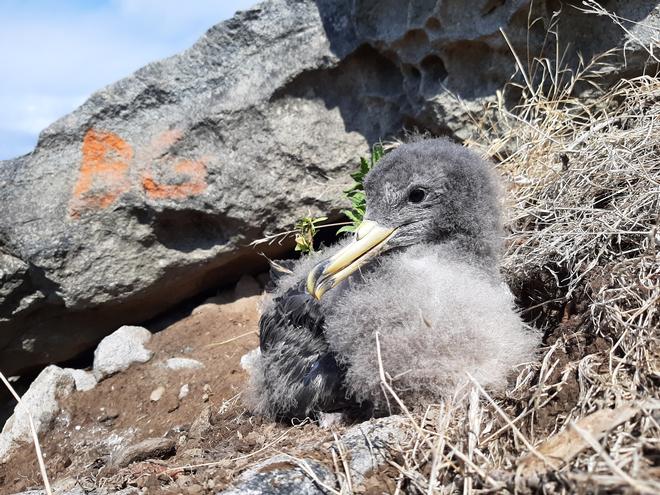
pixel 179 363
pixel 184 391
pixel 152 448
pixel 157 394
pixel 107 415
pixel 202 424
pixel 171 403
pixel 207 392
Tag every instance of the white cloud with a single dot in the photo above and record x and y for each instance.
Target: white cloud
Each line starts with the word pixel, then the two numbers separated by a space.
pixel 55 54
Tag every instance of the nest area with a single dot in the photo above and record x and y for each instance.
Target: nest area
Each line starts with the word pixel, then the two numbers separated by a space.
pixel 583 258
pixel 582 170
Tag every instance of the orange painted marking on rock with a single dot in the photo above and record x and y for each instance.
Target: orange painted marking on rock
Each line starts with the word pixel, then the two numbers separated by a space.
pixel 103 173
pixel 106 162
pixel 195 183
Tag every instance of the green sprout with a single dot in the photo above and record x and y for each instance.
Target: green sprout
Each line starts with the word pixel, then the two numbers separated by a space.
pixel 305 231
pixel 355 193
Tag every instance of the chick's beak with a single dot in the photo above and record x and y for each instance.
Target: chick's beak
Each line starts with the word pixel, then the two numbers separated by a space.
pixel 370 239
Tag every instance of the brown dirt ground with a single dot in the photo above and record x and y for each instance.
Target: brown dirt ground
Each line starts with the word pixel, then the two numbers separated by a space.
pixel 216 438
pixel 96 425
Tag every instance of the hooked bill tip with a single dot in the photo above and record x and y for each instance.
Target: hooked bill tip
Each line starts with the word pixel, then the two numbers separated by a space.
pixel 314 276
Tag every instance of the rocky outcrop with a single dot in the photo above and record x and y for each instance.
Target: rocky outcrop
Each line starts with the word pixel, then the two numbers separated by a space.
pixel 152 190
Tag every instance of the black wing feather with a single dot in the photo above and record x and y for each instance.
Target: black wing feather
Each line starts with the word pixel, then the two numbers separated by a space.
pixel 293 348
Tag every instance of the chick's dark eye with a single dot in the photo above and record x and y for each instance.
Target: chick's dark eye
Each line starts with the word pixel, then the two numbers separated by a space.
pixel 417 195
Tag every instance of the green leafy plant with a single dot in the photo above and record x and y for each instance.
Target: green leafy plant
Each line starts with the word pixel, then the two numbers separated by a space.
pixel 355 193
pixel 305 229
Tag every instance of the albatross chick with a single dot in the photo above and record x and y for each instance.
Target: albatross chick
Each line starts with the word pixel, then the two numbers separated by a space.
pixel 421 273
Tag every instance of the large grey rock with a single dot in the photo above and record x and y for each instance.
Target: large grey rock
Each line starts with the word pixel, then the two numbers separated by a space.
pixel 282 475
pixel 152 190
pixel 366 447
pixel 119 350
pixel 40 403
pixel 369 444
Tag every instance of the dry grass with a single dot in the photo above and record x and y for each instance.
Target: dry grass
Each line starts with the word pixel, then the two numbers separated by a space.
pixel 583 256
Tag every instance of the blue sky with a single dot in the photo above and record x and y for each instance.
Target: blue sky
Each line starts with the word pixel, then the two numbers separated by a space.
pixel 55 53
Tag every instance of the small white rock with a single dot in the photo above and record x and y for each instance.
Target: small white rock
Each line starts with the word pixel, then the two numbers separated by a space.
pixel 179 363
pixel 157 394
pixel 84 379
pixel 120 350
pixel 184 391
